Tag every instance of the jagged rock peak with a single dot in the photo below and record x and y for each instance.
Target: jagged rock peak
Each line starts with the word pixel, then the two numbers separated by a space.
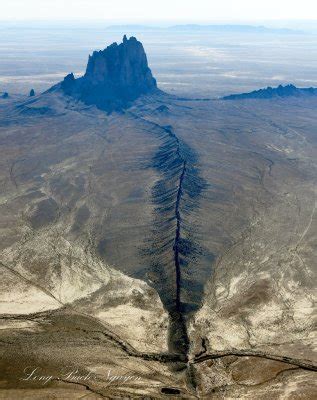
pixel 114 76
pixel 68 83
pixel 124 64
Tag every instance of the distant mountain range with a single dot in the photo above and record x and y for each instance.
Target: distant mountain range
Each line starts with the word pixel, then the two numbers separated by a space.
pixel 269 93
pixel 205 28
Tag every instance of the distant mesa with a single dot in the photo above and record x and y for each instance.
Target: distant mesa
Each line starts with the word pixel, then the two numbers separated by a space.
pixel 32 93
pixel 219 28
pixel 5 95
pixel 114 77
pixel 270 93
pixel 233 28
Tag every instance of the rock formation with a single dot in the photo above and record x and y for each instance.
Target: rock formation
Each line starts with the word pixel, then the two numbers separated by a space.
pixel 114 77
pixel 269 93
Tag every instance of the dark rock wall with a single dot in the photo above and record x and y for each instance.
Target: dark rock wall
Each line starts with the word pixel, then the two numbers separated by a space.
pixel 114 77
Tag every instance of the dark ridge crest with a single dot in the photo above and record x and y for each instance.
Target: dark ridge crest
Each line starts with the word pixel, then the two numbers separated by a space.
pixel 270 93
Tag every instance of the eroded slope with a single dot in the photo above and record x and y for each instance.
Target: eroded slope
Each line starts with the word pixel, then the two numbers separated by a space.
pixel 176 226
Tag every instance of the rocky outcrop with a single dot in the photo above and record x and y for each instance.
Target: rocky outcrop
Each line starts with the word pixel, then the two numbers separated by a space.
pixel 269 93
pixel 114 77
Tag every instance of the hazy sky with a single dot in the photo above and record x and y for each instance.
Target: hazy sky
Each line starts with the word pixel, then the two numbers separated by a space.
pixel 158 10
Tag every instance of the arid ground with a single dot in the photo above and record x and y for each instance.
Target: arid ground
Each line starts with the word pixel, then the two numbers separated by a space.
pixel 165 251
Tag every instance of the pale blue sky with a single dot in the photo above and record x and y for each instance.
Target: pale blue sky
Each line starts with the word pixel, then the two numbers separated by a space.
pixel 129 11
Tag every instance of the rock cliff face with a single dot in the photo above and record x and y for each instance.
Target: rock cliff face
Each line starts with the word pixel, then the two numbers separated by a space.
pixel 114 77
pixel 269 93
